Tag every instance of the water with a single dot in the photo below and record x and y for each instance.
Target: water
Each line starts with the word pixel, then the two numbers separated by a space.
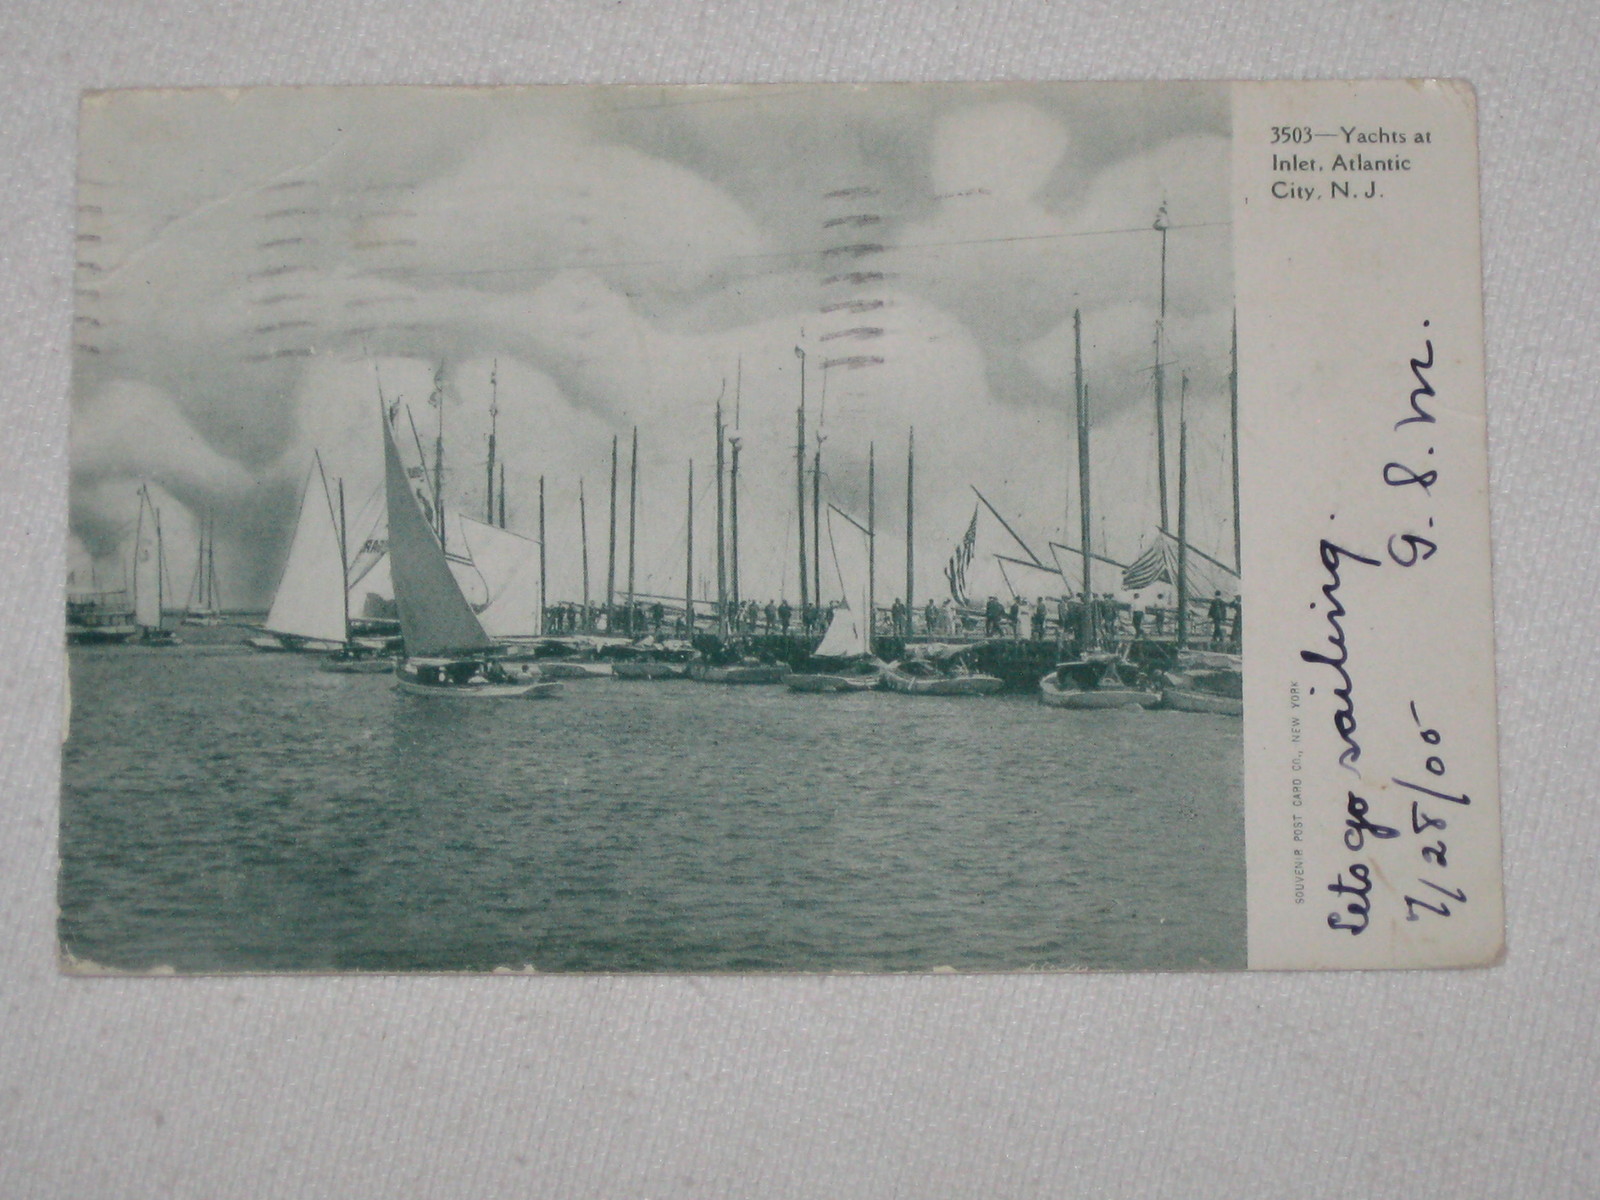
pixel 224 810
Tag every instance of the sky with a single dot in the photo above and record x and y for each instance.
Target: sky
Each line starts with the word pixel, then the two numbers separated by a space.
pixel 255 267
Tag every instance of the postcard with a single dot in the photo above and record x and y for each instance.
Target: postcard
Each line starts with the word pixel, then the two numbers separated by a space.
pixel 781 528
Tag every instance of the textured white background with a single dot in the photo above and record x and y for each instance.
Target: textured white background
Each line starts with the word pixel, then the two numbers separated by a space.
pixel 1478 1084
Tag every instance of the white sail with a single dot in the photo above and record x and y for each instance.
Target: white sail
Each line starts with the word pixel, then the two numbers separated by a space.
pixel 309 602
pixel 435 619
pixel 146 566
pixel 848 633
pixel 505 566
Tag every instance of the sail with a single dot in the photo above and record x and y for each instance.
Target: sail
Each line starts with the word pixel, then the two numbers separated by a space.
pixel 309 602
pixel 847 635
pixel 506 566
pixel 146 567
pixel 435 619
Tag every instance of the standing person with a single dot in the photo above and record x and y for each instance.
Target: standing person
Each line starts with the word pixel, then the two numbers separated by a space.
pixel 897 614
pixel 947 618
pixel 992 616
pixel 1136 613
pixel 1016 616
pixel 658 613
pixel 1158 615
pixel 1217 610
pixel 1236 641
pixel 1063 616
pixel 772 616
pixel 930 616
pixel 1038 619
pixel 784 613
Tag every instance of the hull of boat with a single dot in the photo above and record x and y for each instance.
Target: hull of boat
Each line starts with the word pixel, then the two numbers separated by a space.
pixel 109 635
pixel 650 670
pixel 272 644
pixel 737 673
pixel 831 683
pixel 558 669
pixel 1187 700
pixel 957 685
pixel 479 690
pixel 1091 698
pixel 359 666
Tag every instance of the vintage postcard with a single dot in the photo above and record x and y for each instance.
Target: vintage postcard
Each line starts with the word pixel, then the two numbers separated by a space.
pixel 779 528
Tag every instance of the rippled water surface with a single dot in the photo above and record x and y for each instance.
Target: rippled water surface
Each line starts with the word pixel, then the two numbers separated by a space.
pixel 227 810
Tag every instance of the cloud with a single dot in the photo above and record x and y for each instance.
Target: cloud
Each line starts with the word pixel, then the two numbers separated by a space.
pixel 252 263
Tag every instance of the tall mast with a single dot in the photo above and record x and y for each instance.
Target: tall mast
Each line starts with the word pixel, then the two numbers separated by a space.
pixel 344 560
pixel 1161 370
pixel 1183 513
pixel 438 453
pixel 633 518
pixel 210 564
pixel 494 417
pixel 800 480
pixel 502 495
pixel 816 524
pixel 911 524
pixel 138 545
pixel 733 490
pixel 872 542
pixel 1083 476
pixel 200 569
pixel 611 541
pixel 688 561
pixel 161 566
pixel 733 527
pixel 722 569
pixel 583 542
pixel 544 596
pixel 1233 419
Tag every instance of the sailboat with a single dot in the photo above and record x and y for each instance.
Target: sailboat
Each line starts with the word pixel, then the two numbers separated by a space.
pixel 845 652
pixel 309 609
pixel 449 653
pixel 205 600
pixel 149 575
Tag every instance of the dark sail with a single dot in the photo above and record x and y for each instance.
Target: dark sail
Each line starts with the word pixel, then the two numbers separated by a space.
pixel 435 618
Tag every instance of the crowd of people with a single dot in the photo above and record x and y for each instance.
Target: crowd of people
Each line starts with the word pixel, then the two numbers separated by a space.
pixel 1215 623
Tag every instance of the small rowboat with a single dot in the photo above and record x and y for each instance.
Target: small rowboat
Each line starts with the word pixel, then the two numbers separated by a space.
pixel 569 668
pixel 1189 700
pixel 1052 693
pixel 649 669
pixel 466 679
pixel 1205 682
pixel 1093 683
pixel 861 676
pixel 742 672
pixel 918 677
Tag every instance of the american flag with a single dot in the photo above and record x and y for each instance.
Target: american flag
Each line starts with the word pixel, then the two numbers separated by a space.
pixel 1153 566
pixel 956 569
